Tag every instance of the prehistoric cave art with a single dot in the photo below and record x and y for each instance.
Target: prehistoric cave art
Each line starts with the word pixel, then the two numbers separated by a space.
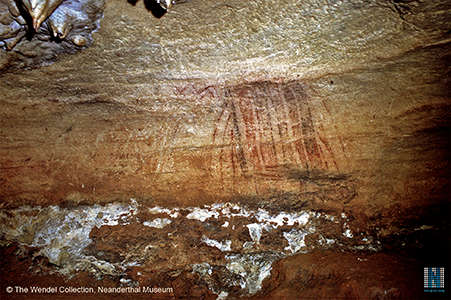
pixel 271 132
pixel 263 125
pixel 269 124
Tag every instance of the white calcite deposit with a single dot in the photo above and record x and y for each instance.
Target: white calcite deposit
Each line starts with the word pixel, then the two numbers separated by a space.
pixel 223 246
pixel 62 234
pixel 157 223
pixel 253 268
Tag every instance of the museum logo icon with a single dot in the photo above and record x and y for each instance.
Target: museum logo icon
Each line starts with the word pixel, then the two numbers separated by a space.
pixel 434 280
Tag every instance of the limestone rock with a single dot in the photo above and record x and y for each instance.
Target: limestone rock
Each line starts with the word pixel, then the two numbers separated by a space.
pixel 335 109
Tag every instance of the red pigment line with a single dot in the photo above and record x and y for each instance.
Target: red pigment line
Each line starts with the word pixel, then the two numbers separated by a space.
pixel 241 158
pixel 281 141
pixel 325 106
pixel 269 106
pixel 255 135
pixel 217 123
pixel 321 157
pixel 223 140
pixel 208 91
pixel 260 144
pixel 232 153
pixel 283 94
pixel 326 145
pixel 301 132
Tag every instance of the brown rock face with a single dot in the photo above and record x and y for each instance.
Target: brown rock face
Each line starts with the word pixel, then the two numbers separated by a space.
pixel 245 132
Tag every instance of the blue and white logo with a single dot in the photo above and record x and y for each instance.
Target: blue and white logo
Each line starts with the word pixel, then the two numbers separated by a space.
pixel 434 280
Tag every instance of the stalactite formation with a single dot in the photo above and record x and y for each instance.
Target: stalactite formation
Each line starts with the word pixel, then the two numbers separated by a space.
pixel 68 22
pixel 33 32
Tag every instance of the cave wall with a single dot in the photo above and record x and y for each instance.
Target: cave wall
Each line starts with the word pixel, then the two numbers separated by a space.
pixel 188 108
pixel 334 110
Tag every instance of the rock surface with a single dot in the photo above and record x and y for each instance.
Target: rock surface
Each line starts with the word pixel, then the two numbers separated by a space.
pixel 325 108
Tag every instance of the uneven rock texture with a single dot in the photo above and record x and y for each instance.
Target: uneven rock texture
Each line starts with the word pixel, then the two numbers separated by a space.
pixel 317 275
pixel 33 33
pixel 280 108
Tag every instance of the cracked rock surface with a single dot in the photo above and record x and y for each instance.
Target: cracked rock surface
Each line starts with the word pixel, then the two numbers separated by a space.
pixel 233 149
